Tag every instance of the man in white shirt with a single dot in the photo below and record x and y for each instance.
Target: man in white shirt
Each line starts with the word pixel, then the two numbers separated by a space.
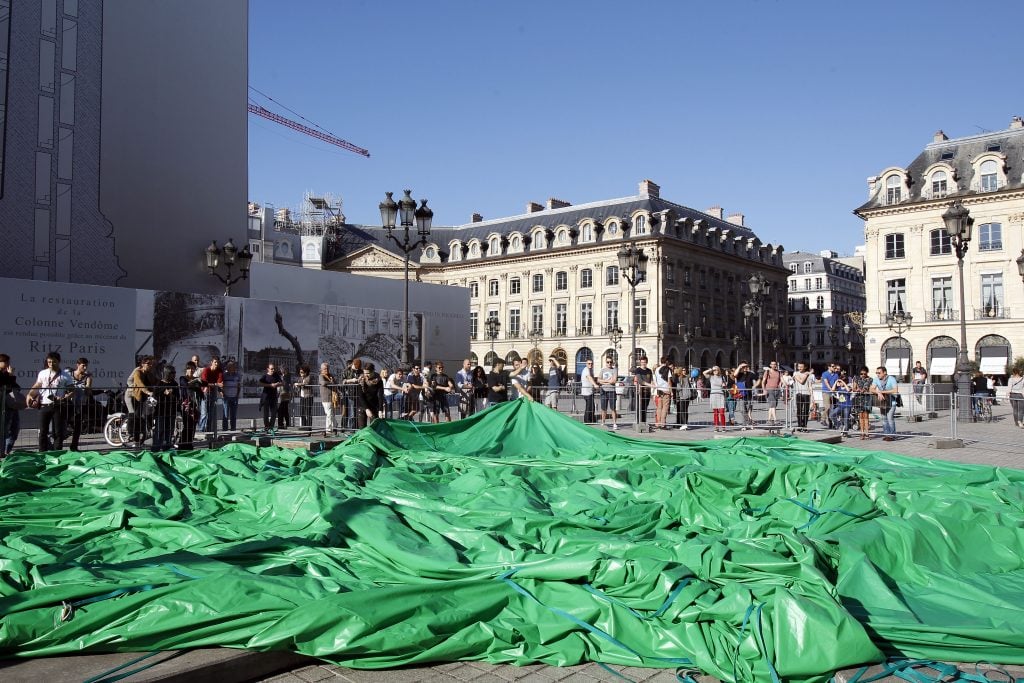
pixel 608 378
pixel 48 394
pixel 464 383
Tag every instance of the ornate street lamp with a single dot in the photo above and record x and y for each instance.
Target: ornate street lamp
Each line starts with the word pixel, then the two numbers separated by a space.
pixel 899 322
pixel 958 226
pixel 775 345
pixel 493 325
pixel 1020 265
pixel 687 340
pixel 759 289
pixel 406 212
pixel 615 336
pixel 633 269
pixel 230 253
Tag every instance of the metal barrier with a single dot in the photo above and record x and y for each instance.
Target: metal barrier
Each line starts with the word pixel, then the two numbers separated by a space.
pixel 924 413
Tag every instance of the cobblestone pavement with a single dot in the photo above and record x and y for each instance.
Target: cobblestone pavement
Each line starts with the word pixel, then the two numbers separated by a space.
pixel 996 444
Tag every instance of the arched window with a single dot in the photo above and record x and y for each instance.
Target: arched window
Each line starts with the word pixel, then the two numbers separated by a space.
pixel 613 354
pixel 495 249
pixel 611 275
pixel 512 357
pixel 538 241
pixel 490 358
pixel 587 234
pixel 820 303
pixel 989 176
pixel 612 228
pixel 640 225
pixel 515 243
pixel 586 278
pixel 893 192
pixel 563 237
pixel 310 252
pixel 474 249
pixel 455 251
pixel 473 358
pixel 939 187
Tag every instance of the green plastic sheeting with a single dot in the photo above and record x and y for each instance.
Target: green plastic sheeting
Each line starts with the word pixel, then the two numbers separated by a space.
pixel 518 536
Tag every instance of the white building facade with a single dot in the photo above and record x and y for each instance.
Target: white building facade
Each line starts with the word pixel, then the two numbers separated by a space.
pixel 823 293
pixel 911 265
pixel 551 278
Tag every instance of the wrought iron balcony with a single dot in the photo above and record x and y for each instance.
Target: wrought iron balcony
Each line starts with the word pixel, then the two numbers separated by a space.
pixel 941 315
pixel 992 313
pixel 585 331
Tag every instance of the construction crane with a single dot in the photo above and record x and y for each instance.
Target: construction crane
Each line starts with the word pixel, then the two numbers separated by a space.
pixel 295 125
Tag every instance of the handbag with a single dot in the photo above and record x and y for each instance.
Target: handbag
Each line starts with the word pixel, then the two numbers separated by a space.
pixel 897 400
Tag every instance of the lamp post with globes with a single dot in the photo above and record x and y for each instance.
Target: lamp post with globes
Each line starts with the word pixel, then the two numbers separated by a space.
pixel 759 290
pixel 959 223
pixel 1020 264
pixel 406 212
pixel 230 253
pixel 633 269
pixel 615 336
pixel 492 325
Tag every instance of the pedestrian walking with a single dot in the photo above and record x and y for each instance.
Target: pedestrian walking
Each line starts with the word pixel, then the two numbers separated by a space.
pixel 1015 388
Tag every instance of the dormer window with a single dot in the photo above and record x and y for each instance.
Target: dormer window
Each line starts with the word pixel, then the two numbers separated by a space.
pixel 893 192
pixel 563 237
pixel 612 228
pixel 587 234
pixel 515 243
pixel 939 188
pixel 474 250
pixel 454 251
pixel 430 252
pixel 640 225
pixel 538 240
pixel 495 249
pixel 989 176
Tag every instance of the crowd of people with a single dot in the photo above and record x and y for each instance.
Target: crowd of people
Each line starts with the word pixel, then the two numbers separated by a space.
pixel 158 399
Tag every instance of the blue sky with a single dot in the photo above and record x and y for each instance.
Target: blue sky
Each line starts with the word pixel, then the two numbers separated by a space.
pixel 777 110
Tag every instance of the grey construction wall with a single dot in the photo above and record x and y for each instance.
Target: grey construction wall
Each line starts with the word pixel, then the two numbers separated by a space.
pixel 124 141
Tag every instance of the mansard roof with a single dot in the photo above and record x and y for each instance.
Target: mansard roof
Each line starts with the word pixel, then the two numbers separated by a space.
pixel 958 154
pixel 572 216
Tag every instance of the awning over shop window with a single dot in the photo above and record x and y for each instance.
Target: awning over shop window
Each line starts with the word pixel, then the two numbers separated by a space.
pixel 993 359
pixel 943 361
pixel 897 361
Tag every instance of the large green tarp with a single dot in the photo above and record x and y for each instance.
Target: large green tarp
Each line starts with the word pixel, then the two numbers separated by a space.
pixel 518 536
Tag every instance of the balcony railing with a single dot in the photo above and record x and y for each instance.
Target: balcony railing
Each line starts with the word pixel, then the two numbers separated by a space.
pixel 585 331
pixel 559 332
pixel 992 313
pixel 941 315
pixel 511 334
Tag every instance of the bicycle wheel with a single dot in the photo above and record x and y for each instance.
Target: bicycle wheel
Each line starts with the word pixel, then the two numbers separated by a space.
pixel 986 411
pixel 111 431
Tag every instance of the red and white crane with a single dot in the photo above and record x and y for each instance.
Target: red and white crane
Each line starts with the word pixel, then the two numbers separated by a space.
pixel 307 130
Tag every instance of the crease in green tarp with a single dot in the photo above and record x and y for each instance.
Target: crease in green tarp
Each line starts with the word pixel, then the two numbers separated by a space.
pixel 517 536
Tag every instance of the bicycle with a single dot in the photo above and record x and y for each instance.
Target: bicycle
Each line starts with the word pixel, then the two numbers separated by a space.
pixel 117 430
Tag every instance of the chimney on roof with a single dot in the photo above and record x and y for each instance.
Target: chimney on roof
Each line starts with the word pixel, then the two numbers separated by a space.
pixel 534 207
pixel 649 188
pixel 557 203
pixel 1016 122
pixel 939 136
pixel 475 218
pixel 715 212
pixel 736 219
